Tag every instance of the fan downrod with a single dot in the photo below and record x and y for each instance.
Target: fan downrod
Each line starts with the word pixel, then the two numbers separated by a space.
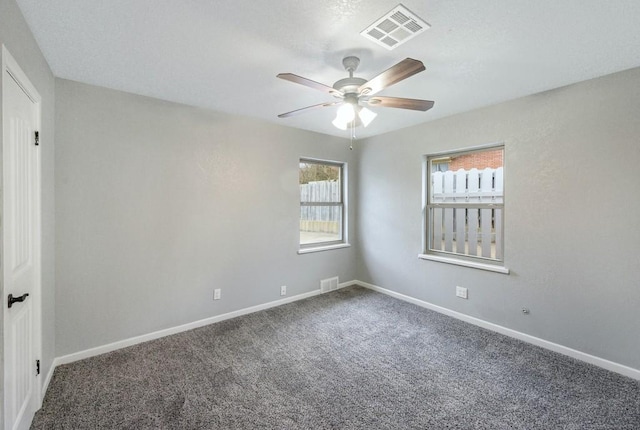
pixel 351 64
pixel 349 85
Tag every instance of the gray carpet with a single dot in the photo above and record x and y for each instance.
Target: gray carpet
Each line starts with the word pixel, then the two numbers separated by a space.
pixel 350 359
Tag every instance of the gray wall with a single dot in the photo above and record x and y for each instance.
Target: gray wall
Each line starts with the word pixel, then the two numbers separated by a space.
pixel 17 37
pixel 157 204
pixel 571 214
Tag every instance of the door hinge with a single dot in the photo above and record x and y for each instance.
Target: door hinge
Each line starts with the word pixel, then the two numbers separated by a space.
pixel 37 367
pixel 37 138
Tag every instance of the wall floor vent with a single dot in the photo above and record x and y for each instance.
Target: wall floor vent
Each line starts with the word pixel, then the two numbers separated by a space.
pixel 329 284
pixel 396 27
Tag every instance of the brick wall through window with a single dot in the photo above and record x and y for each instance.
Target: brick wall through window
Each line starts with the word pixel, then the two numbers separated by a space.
pixel 479 160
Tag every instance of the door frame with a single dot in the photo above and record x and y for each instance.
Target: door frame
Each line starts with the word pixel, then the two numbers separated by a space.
pixel 10 65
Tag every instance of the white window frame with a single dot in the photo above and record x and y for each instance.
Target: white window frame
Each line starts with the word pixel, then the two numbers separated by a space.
pixel 452 257
pixel 333 244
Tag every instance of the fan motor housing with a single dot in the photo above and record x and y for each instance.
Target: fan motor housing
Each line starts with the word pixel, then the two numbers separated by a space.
pixel 349 85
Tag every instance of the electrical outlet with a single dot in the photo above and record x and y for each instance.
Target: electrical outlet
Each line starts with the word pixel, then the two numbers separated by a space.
pixel 216 294
pixel 283 290
pixel 461 292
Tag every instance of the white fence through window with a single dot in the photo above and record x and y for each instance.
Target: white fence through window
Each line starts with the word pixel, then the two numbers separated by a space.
pixel 466 208
pixel 320 218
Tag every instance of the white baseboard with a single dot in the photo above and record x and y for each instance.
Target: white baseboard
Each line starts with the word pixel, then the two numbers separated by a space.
pixel 579 355
pixel 606 364
pixel 92 352
pixel 47 380
pixel 346 284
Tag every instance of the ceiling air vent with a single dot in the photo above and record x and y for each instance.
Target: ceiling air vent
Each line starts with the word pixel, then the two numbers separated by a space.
pixel 395 28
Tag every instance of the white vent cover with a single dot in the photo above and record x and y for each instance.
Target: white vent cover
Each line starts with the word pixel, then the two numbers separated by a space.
pixel 395 28
pixel 329 284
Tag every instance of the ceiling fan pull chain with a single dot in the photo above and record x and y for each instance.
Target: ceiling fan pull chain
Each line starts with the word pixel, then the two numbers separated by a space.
pixel 353 134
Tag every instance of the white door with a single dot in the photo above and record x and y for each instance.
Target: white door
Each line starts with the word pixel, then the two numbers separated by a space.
pixel 20 245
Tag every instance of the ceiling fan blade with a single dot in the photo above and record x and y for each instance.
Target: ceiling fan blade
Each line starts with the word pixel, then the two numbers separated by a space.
pixel 309 83
pixel 402 103
pixel 404 69
pixel 306 109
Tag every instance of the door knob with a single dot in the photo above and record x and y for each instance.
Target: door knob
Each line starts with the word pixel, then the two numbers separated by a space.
pixel 13 300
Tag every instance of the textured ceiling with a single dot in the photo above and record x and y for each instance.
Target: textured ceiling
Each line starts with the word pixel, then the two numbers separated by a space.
pixel 225 54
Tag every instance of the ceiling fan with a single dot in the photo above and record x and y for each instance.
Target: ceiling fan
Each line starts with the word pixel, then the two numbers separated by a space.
pixel 353 91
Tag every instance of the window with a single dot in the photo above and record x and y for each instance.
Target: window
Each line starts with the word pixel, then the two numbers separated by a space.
pixel 465 208
pixel 322 204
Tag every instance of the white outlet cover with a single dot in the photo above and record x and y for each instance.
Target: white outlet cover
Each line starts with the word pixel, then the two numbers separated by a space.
pixel 461 292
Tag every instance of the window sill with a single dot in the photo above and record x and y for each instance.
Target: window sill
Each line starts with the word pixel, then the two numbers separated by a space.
pixel 465 263
pixel 323 248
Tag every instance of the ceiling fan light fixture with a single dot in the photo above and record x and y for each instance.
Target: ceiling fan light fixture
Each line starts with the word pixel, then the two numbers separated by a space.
pixel 339 124
pixel 366 116
pixel 346 113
